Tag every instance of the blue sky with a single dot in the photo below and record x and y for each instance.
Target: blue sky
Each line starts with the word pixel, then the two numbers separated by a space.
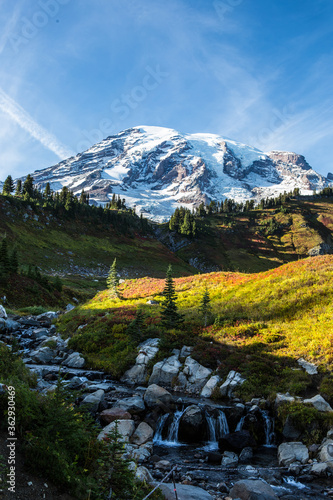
pixel 75 71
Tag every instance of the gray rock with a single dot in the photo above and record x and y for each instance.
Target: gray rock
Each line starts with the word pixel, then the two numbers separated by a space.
pixel 138 373
pixel 155 395
pixel 319 403
pixel 283 398
pixel 195 375
pixel 289 431
pixel 310 368
pixel 74 360
pixel 246 454
pixel 210 386
pixel 233 380
pixel 94 399
pixel 185 351
pixel 43 356
pixel 9 325
pixel 152 302
pixel 252 488
pixel 184 492
pixel 292 452
pixel 69 307
pixel 142 474
pixel 133 404
pixel 229 458
pixel 124 427
pixel 165 372
pixel 142 434
pixel 47 316
pixel 326 452
pixel 320 469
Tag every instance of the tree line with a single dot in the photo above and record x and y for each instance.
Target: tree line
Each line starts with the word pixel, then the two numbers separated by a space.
pixel 65 203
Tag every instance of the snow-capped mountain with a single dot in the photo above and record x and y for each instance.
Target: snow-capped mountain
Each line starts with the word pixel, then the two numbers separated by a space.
pixel 157 169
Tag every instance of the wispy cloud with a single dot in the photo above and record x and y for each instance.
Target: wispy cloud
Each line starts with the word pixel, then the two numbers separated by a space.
pixel 9 27
pixel 26 122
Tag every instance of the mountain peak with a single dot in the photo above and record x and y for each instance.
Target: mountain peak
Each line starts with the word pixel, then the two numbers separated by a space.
pixel 157 169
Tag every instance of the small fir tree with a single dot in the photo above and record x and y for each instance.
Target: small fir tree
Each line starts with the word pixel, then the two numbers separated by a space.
pixel 170 315
pixel 112 280
pixel 28 186
pixel 136 327
pixel 18 189
pixel 8 185
pixel 205 307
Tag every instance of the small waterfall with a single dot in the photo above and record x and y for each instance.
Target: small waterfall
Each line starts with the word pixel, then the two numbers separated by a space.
pixel 222 425
pixel 269 429
pixel 217 428
pixel 240 424
pixel 159 428
pixel 172 436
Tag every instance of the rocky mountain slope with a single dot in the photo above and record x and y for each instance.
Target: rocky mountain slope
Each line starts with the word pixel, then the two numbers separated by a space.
pixel 157 169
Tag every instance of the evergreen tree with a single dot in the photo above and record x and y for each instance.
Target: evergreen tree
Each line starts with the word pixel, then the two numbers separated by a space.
pixel 18 189
pixel 8 185
pixel 112 280
pixel 47 191
pixel 4 258
pixel 170 316
pixel 205 307
pixel 136 327
pixel 186 227
pixel 28 186
pixel 13 262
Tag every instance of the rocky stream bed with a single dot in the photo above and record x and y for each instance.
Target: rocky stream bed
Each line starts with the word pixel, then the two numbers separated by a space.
pixel 208 446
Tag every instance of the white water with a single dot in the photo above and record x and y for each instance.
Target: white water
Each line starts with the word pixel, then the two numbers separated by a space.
pixel 217 428
pixel 172 436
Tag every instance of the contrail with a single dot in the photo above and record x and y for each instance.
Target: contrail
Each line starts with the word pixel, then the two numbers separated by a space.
pixel 22 118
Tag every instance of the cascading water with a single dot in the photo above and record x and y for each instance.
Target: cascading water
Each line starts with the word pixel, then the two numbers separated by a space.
pixel 217 428
pixel 240 424
pixel 269 429
pixel 172 436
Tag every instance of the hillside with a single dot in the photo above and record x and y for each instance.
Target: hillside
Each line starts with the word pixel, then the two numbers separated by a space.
pixel 257 240
pixel 261 323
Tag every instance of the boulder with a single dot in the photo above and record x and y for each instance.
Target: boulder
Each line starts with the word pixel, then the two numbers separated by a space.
pixel 252 489
pixel 192 424
pixel 124 427
pixel 319 403
pixel 133 404
pixel 233 380
pixel 229 458
pixel 146 352
pixel 69 307
pixel 155 395
pixel 165 372
pixel 246 454
pixel 185 351
pixel 9 325
pixel 283 398
pixel 142 474
pixel 292 452
pixel 3 313
pixel 74 360
pixel 185 492
pixel 43 356
pixel 210 386
pixel 93 400
pixel 195 375
pixel 320 469
pixel 111 414
pixel 326 452
pixel 47 316
pixel 310 368
pixel 142 434
pixel 236 441
pixel 289 430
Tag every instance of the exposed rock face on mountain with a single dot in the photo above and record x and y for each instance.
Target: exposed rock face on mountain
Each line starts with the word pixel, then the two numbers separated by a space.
pixel 157 169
